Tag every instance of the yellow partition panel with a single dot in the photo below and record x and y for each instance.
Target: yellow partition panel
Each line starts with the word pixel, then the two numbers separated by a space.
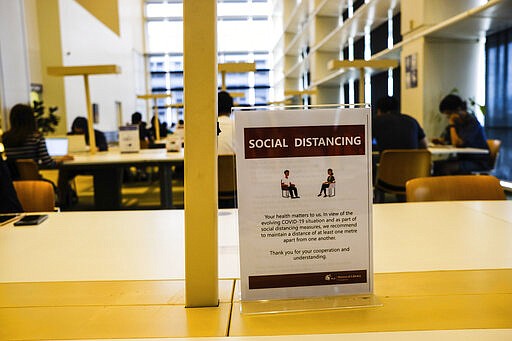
pixel 200 94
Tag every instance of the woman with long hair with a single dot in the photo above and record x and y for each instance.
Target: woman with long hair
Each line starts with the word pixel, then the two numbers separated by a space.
pixel 23 141
pixel 80 126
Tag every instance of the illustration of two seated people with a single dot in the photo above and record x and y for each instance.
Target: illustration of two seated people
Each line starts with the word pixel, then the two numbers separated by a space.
pixel 289 188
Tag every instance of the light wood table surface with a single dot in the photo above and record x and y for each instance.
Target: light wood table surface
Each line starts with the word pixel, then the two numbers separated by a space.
pixel 448 149
pixel 443 270
pixel 107 167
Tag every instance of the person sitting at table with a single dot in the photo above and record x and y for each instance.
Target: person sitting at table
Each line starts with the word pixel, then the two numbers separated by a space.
pixel 463 130
pixel 162 128
pixel 394 130
pixel 179 131
pixel 287 184
pixel 225 144
pixel 143 130
pixel 325 185
pixel 24 141
pixel 80 127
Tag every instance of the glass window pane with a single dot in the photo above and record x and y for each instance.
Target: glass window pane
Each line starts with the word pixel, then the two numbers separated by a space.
pixel 244 35
pixel 242 100
pixel 243 31
pixel 261 78
pixel 243 9
pixel 237 80
pixel 262 96
pixel 156 63
pixel 176 80
pixel 164 10
pixel 166 36
pixel 158 80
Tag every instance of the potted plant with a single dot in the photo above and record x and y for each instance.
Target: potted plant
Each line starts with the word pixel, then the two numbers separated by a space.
pixel 46 121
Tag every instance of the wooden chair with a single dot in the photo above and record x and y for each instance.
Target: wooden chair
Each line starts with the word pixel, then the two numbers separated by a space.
pixel 28 169
pixel 35 195
pixel 227 187
pixel 396 166
pixel 455 187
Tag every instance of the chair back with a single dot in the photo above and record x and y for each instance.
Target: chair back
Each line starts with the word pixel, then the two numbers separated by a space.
pixel 35 195
pixel 396 166
pixel 455 187
pixel 227 187
pixel 27 169
pixel 494 149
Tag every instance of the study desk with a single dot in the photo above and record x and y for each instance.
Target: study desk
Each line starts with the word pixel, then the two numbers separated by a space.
pixel 448 149
pixel 106 169
pixel 439 265
pixel 149 245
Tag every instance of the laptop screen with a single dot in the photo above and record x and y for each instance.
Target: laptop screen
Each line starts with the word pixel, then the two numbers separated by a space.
pixel 76 144
pixel 57 146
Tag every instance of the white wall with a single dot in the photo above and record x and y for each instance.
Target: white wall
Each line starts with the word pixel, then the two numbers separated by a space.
pixel 86 41
pixel 14 70
pixel 443 64
pixel 449 64
pixel 33 45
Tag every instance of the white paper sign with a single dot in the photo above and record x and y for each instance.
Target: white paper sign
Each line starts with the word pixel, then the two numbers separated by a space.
pixel 304 185
pixel 129 139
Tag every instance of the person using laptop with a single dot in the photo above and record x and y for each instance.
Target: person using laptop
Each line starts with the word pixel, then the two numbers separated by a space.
pixel 24 141
pixel 463 130
pixel 80 127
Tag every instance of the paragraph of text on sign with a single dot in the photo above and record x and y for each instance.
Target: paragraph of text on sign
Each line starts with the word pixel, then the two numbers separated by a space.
pixel 302 229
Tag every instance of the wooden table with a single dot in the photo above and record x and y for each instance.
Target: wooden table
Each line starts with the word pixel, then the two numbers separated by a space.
pixel 443 270
pixel 448 149
pixel 107 168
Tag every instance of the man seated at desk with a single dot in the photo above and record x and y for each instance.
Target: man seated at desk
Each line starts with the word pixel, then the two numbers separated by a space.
pixel 394 130
pixel 463 130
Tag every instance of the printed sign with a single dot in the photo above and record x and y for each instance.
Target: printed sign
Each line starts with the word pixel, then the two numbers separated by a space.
pixel 129 139
pixel 304 203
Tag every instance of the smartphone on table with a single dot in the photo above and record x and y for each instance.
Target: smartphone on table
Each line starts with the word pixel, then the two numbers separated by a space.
pixel 34 219
pixel 7 218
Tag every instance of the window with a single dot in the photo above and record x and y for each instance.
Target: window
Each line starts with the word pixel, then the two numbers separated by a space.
pixel 243 30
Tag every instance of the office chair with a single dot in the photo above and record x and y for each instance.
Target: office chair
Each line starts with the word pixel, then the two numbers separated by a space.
pixel 396 166
pixel 454 187
pixel 35 195
pixel 227 187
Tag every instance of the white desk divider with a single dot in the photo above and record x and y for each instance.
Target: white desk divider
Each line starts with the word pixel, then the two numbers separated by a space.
pixel 304 201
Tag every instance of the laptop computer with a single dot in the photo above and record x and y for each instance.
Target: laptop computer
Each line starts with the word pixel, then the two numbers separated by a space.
pixel 57 146
pixel 77 144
